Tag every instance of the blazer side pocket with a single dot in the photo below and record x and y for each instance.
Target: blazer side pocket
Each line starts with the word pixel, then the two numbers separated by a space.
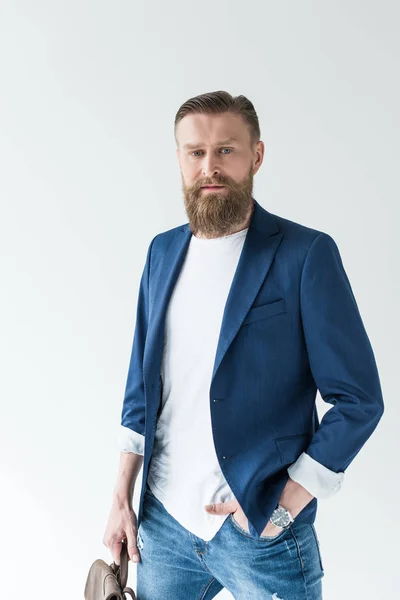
pixel 291 446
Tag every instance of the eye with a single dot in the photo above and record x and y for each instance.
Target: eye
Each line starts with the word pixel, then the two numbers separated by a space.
pixel 194 151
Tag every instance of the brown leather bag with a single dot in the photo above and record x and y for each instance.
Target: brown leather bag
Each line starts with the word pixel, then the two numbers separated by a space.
pixel 108 582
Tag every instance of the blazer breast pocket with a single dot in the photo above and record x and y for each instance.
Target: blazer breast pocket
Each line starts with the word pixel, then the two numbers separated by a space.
pixel 265 310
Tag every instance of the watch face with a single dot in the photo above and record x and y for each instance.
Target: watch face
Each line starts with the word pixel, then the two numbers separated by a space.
pixel 280 517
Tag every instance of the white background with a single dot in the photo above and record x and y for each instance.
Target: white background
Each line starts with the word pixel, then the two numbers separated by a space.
pixel 88 96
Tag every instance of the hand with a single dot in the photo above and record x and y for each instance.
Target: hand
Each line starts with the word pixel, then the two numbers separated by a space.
pixel 225 508
pixel 294 497
pixel 233 506
pixel 122 524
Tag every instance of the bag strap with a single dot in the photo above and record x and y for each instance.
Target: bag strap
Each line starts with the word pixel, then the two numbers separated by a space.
pixel 121 570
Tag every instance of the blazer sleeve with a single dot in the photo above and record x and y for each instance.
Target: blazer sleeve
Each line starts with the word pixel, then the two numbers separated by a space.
pixel 343 367
pixel 132 427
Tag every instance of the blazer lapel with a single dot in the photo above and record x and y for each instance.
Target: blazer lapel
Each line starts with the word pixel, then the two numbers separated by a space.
pixel 167 276
pixel 261 243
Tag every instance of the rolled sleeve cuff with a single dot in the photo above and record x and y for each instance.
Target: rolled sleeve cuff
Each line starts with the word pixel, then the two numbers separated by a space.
pixel 317 479
pixel 130 441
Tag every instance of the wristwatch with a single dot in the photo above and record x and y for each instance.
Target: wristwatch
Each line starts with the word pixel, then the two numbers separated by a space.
pixel 281 517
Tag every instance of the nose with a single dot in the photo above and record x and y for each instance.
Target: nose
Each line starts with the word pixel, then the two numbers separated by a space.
pixel 210 167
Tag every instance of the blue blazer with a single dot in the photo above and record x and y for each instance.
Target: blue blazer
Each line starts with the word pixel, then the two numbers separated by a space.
pixel 290 326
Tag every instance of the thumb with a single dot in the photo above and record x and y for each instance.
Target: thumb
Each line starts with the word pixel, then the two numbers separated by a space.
pixel 133 551
pixel 222 508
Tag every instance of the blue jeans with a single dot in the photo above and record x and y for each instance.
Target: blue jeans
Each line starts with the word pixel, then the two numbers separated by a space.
pixel 176 564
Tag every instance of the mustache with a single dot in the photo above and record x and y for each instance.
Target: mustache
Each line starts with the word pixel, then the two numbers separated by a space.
pixel 201 184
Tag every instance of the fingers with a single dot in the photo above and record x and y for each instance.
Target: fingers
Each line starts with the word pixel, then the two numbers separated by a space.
pixel 116 547
pixel 122 525
pixel 133 551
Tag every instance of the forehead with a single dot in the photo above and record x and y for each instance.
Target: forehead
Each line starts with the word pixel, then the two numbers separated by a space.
pixel 227 128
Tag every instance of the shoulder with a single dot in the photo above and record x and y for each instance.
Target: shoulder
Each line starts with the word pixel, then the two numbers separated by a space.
pixel 298 231
pixel 302 237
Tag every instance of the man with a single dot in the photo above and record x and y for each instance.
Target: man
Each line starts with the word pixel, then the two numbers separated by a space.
pixel 242 315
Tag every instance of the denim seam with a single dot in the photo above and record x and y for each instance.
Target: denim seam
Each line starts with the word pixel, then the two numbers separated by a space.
pixel 301 560
pixel 206 588
pixel 318 546
pixel 201 555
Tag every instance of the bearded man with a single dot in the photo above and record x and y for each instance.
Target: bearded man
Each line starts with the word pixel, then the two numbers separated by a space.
pixel 242 316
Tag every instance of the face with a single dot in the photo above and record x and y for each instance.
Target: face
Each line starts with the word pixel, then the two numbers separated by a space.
pixel 216 150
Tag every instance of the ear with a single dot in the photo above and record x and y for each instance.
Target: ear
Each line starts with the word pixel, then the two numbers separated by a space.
pixel 260 149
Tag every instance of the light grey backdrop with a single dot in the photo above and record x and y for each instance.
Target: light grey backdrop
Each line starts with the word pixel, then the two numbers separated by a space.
pixel 89 91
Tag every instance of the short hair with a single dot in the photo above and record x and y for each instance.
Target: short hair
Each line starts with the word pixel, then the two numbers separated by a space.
pixel 219 102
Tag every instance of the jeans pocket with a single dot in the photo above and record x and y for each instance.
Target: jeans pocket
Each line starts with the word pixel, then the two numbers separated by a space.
pixel 245 533
pixel 238 527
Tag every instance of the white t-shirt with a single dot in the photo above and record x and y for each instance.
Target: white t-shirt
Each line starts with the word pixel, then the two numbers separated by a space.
pixel 184 473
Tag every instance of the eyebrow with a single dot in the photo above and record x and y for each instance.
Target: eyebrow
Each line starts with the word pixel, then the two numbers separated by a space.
pixel 224 143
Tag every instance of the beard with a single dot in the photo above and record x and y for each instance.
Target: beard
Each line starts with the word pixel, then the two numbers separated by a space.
pixel 215 214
